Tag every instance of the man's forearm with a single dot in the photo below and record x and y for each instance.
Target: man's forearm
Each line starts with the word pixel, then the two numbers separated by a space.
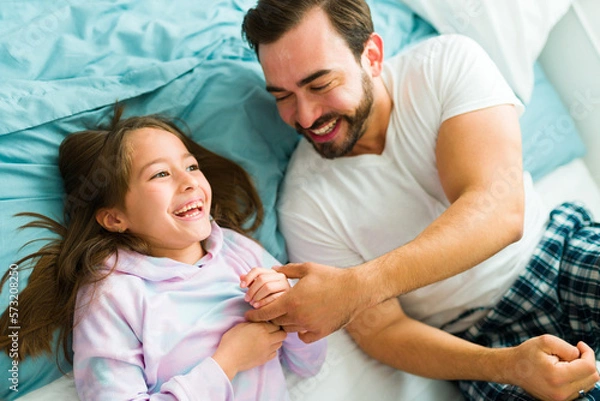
pixel 417 348
pixel 544 366
pixel 458 240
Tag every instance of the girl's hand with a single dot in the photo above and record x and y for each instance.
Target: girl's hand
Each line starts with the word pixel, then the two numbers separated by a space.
pixel 264 286
pixel 247 345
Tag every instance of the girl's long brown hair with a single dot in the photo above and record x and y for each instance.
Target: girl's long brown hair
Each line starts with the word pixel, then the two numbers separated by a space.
pixel 95 166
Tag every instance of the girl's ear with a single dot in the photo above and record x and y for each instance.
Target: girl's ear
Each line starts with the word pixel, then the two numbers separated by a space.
pixel 111 219
pixel 373 54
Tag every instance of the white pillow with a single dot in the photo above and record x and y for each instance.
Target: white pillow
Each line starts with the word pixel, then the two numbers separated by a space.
pixel 513 32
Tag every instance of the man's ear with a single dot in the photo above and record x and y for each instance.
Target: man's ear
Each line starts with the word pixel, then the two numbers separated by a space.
pixel 373 54
pixel 111 219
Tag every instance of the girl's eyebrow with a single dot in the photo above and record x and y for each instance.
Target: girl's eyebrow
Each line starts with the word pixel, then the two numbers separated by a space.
pixel 302 82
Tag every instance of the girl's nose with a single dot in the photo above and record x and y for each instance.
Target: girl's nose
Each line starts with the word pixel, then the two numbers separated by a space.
pixel 188 181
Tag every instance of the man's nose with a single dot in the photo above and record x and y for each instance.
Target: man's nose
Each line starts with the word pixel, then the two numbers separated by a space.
pixel 308 111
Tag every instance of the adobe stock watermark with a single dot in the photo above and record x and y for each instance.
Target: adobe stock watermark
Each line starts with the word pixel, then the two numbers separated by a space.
pixel 553 134
pixel 13 327
pixel 340 351
pixel 92 184
pixel 343 350
pixel 35 34
pixel 462 15
pixel 504 184
pixel 585 102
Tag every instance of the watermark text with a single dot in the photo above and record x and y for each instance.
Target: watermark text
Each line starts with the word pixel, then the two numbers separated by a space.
pixel 13 327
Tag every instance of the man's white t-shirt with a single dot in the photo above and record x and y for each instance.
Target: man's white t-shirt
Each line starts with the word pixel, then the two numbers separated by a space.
pixel 349 210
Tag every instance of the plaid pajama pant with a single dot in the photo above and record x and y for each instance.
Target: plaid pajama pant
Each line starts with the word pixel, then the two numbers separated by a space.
pixel 558 293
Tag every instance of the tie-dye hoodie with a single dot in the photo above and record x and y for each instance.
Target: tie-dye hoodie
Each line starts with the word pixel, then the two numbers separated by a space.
pixel 154 323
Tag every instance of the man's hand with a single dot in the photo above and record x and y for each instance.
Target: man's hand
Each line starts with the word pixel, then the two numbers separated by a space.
pixel 323 300
pixel 551 369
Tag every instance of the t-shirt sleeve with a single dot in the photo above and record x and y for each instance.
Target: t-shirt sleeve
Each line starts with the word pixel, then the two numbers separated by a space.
pixel 465 78
pixel 109 360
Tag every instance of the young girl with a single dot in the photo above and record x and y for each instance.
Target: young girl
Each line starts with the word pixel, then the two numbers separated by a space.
pixel 153 289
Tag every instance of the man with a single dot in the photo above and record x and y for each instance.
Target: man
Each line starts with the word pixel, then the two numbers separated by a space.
pixel 410 177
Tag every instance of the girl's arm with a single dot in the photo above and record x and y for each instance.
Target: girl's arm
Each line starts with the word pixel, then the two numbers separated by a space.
pixel 109 358
pixel 266 285
pixel 303 359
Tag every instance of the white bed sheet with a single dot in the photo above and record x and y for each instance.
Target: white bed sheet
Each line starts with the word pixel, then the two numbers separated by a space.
pixel 571 182
pixel 348 374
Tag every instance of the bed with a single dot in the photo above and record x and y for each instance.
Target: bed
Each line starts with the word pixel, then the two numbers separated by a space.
pixel 63 66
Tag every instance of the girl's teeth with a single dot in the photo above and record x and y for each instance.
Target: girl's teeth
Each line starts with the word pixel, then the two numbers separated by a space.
pixel 196 205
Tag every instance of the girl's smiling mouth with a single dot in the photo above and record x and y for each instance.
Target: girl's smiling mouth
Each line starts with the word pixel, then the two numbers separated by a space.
pixel 191 209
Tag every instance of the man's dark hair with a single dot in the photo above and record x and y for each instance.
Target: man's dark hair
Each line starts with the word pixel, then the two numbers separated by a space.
pixel 269 20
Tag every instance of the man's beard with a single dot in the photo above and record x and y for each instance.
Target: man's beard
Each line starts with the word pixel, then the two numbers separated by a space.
pixel 356 124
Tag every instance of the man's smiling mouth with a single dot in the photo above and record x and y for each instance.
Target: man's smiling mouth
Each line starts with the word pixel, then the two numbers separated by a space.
pixel 326 129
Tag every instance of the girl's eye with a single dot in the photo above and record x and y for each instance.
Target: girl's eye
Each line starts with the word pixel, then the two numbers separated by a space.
pixel 193 167
pixel 160 175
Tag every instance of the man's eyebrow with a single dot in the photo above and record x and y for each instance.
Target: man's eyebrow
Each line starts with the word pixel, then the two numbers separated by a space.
pixel 302 82
pixel 271 89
